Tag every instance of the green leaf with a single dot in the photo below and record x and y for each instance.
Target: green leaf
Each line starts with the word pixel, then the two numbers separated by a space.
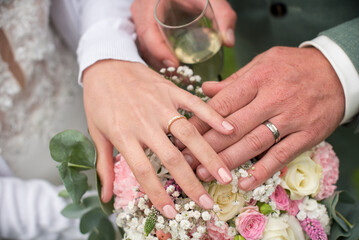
pixel 107 208
pixel 106 229
pixel 74 148
pixel 239 237
pixel 74 181
pixel 265 209
pixel 91 219
pixel 151 221
pixel 91 202
pixel 74 210
pixel 331 204
pixel 64 194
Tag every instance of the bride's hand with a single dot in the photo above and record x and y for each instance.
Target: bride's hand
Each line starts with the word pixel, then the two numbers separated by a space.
pixel 128 106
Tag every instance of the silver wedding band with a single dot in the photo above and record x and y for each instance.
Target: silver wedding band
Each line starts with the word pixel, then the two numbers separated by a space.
pixel 172 120
pixel 274 130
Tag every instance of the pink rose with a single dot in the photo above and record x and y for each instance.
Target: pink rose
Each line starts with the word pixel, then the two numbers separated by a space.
pixel 293 208
pixel 124 183
pixel 326 157
pixel 250 223
pixel 281 199
pixel 217 233
pixel 161 235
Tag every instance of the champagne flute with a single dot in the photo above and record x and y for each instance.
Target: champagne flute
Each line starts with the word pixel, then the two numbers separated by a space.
pixel 192 32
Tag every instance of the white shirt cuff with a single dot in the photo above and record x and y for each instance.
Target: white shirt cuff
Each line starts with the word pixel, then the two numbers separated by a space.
pixel 345 70
pixel 107 39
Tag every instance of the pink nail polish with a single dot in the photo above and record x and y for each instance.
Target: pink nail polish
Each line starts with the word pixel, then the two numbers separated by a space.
pixel 169 211
pixel 227 125
pixel 226 177
pixel 246 183
pixel 206 201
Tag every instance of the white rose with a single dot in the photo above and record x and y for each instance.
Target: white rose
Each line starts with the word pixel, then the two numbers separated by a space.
pixel 302 177
pixel 286 228
pixel 228 202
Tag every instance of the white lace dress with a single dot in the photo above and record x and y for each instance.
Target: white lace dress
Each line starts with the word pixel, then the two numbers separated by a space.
pixel 49 101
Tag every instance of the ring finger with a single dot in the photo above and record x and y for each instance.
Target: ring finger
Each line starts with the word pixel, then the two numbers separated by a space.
pixel 251 145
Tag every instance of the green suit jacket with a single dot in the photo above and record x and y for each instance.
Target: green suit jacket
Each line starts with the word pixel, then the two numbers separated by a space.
pixel 263 24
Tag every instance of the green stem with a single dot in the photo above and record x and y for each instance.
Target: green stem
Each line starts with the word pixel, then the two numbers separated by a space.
pixel 344 219
pixel 78 166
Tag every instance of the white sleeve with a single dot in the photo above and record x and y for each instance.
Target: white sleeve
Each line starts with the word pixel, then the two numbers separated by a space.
pixel 104 27
pixel 345 70
pixel 32 210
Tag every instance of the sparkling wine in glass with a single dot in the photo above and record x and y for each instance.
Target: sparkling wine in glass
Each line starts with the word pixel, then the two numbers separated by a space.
pixel 192 31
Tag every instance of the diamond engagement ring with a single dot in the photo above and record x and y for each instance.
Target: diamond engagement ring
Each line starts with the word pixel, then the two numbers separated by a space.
pixel 172 120
pixel 274 130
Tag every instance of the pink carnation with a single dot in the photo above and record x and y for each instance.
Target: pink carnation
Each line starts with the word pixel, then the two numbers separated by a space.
pixel 281 199
pixel 124 183
pixel 326 157
pixel 218 233
pixel 293 208
pixel 250 223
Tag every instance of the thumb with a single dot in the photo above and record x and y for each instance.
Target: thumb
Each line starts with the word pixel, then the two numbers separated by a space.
pixel 226 18
pixel 104 164
pixel 211 88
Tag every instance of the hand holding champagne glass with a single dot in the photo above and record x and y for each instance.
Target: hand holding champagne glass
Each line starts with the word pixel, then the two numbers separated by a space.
pixel 192 31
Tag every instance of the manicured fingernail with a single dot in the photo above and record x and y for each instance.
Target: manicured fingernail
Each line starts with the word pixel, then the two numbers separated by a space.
pixel 227 125
pixel 226 177
pixel 168 63
pixel 169 211
pixel 203 172
pixel 189 159
pixel 206 201
pixel 230 36
pixel 246 183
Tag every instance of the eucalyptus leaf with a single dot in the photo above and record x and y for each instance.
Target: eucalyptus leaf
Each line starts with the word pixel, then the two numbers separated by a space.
pixel 107 208
pixel 91 219
pixel 91 202
pixel 74 181
pixel 74 210
pixel 64 194
pixel 74 148
pixel 331 204
pixel 106 229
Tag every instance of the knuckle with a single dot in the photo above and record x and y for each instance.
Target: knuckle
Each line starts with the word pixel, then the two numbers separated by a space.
pixel 187 131
pixel 142 171
pixel 222 105
pixel 171 159
pixel 229 159
pixel 282 155
pixel 254 143
pixel 194 100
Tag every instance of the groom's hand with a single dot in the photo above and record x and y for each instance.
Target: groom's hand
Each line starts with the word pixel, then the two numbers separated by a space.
pixel 296 89
pixel 151 42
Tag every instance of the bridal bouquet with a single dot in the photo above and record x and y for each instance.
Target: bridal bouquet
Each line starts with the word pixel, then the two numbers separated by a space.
pixel 286 206
pixel 299 202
